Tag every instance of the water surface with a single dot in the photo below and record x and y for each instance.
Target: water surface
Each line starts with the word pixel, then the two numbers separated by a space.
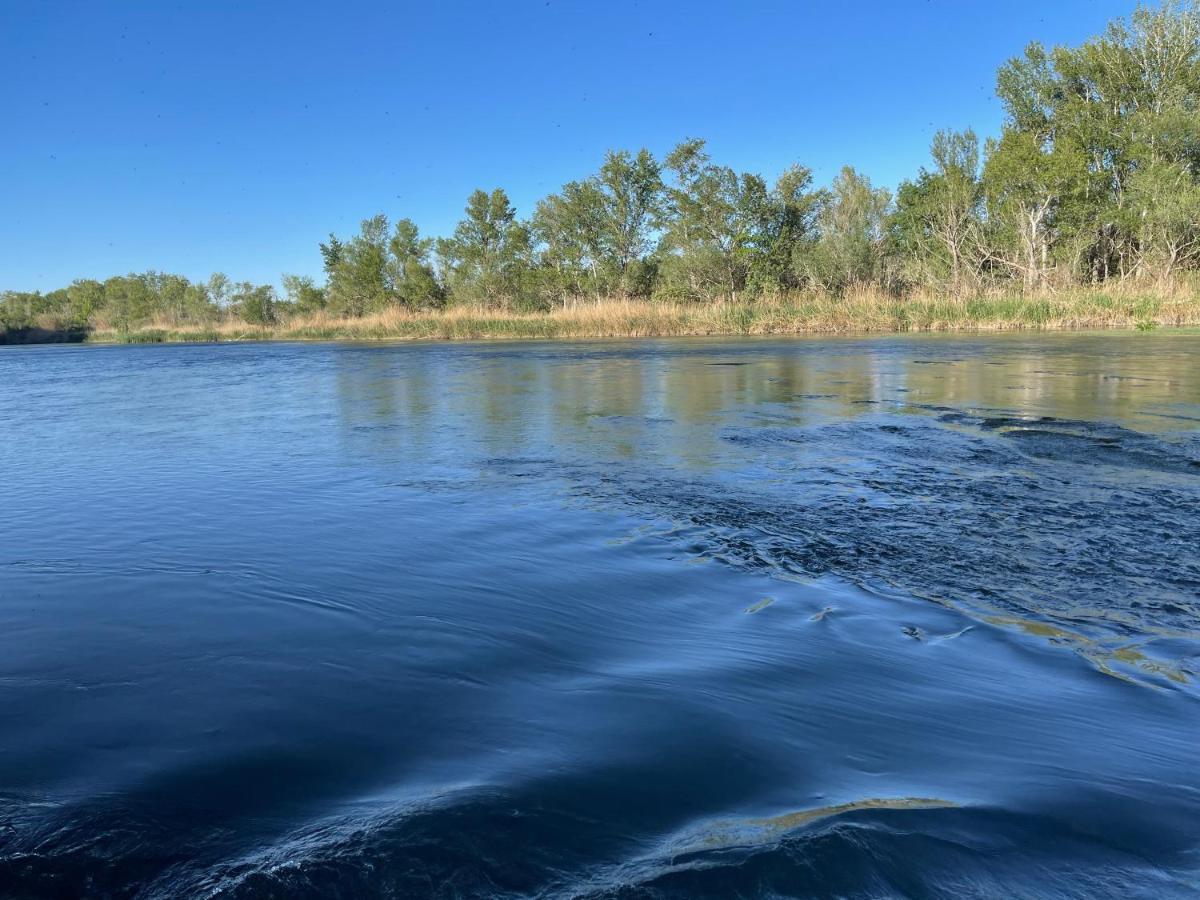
pixel 913 616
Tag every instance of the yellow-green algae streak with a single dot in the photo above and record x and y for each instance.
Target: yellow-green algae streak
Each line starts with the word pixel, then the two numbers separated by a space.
pixel 743 832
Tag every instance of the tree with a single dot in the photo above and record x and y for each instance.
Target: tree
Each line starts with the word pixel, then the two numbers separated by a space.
pixel 569 227
pixel 1120 112
pixel 303 295
pixel 377 268
pixel 783 229
pixel 937 224
pixel 413 281
pixel 1025 185
pixel 705 237
pixel 628 197
pixel 1164 202
pixel 128 301
pixel 725 231
pixel 487 261
pixel 170 293
pixel 218 289
pixel 331 253
pixel 255 303
pixel 85 297
pixel 358 270
pixel 197 305
pixel 852 226
pixel 595 235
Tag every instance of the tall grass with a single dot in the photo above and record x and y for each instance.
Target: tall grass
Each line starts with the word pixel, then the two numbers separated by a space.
pixel 861 311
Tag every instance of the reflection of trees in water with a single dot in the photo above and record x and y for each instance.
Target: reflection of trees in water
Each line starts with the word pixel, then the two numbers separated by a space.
pixel 459 404
pixel 386 399
pixel 497 404
pixel 1100 380
pixel 600 401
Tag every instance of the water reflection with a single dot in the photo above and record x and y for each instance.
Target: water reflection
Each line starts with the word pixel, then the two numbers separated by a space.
pixel 668 402
pixel 952 468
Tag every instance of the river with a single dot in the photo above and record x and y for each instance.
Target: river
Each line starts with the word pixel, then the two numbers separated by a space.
pixel 899 616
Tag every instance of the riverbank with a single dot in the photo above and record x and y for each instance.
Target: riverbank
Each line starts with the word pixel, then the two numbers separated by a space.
pixel 864 313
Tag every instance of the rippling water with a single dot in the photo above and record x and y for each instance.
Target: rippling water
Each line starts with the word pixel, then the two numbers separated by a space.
pixel 890 617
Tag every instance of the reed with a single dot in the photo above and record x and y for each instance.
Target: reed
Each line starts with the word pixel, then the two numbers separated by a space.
pixel 861 311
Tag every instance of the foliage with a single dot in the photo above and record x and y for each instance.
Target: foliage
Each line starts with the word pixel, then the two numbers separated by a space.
pixel 726 232
pixel 255 304
pixel 594 236
pixel 852 225
pixel 377 268
pixel 1093 179
pixel 129 302
pixel 489 258
pixel 1117 121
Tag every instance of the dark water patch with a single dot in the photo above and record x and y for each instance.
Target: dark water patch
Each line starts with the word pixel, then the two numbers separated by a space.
pixel 958 518
pixel 1072 447
pixel 1177 417
pixel 1087 443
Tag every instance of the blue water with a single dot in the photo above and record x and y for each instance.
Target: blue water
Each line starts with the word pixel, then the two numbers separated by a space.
pixel 909 616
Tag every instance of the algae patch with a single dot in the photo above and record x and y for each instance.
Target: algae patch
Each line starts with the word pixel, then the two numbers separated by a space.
pixel 743 832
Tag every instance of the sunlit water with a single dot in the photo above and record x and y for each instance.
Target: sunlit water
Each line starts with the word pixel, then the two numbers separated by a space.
pixel 887 617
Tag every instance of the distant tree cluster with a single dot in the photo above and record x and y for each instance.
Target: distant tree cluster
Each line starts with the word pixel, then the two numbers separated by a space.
pixel 124 302
pixel 1095 176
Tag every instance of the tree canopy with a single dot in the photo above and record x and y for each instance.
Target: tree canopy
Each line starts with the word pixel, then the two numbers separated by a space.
pixel 1094 176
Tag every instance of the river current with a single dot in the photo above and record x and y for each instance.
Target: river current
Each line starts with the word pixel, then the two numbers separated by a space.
pixel 899 616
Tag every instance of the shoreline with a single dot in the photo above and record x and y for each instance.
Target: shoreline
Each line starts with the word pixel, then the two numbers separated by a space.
pixel 624 319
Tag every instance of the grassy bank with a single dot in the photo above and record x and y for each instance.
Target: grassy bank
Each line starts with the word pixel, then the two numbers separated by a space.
pixel 857 313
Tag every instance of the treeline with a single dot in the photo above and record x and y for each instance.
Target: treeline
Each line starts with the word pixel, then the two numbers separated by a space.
pixel 1095 177
pixel 125 302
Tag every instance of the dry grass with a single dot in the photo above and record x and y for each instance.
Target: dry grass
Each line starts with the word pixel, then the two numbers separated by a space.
pixel 858 312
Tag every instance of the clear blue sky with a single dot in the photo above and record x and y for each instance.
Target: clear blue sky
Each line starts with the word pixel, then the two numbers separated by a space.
pixel 212 135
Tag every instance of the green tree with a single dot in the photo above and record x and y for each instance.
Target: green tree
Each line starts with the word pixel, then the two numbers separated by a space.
pixel 1164 202
pixel 569 227
pixel 706 236
pixel 331 254
pixel 358 270
pixel 169 296
pixel 783 229
pixel 303 295
pixel 596 234
pixel 1122 108
pixel 487 261
pixel 852 226
pixel 218 289
pixel 85 297
pixel 21 308
pixel 255 303
pixel 129 302
pixel 198 305
pixel 412 279
pixel 937 223
pixel 379 267
pixel 726 231
pixel 1026 184
pixel 628 194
